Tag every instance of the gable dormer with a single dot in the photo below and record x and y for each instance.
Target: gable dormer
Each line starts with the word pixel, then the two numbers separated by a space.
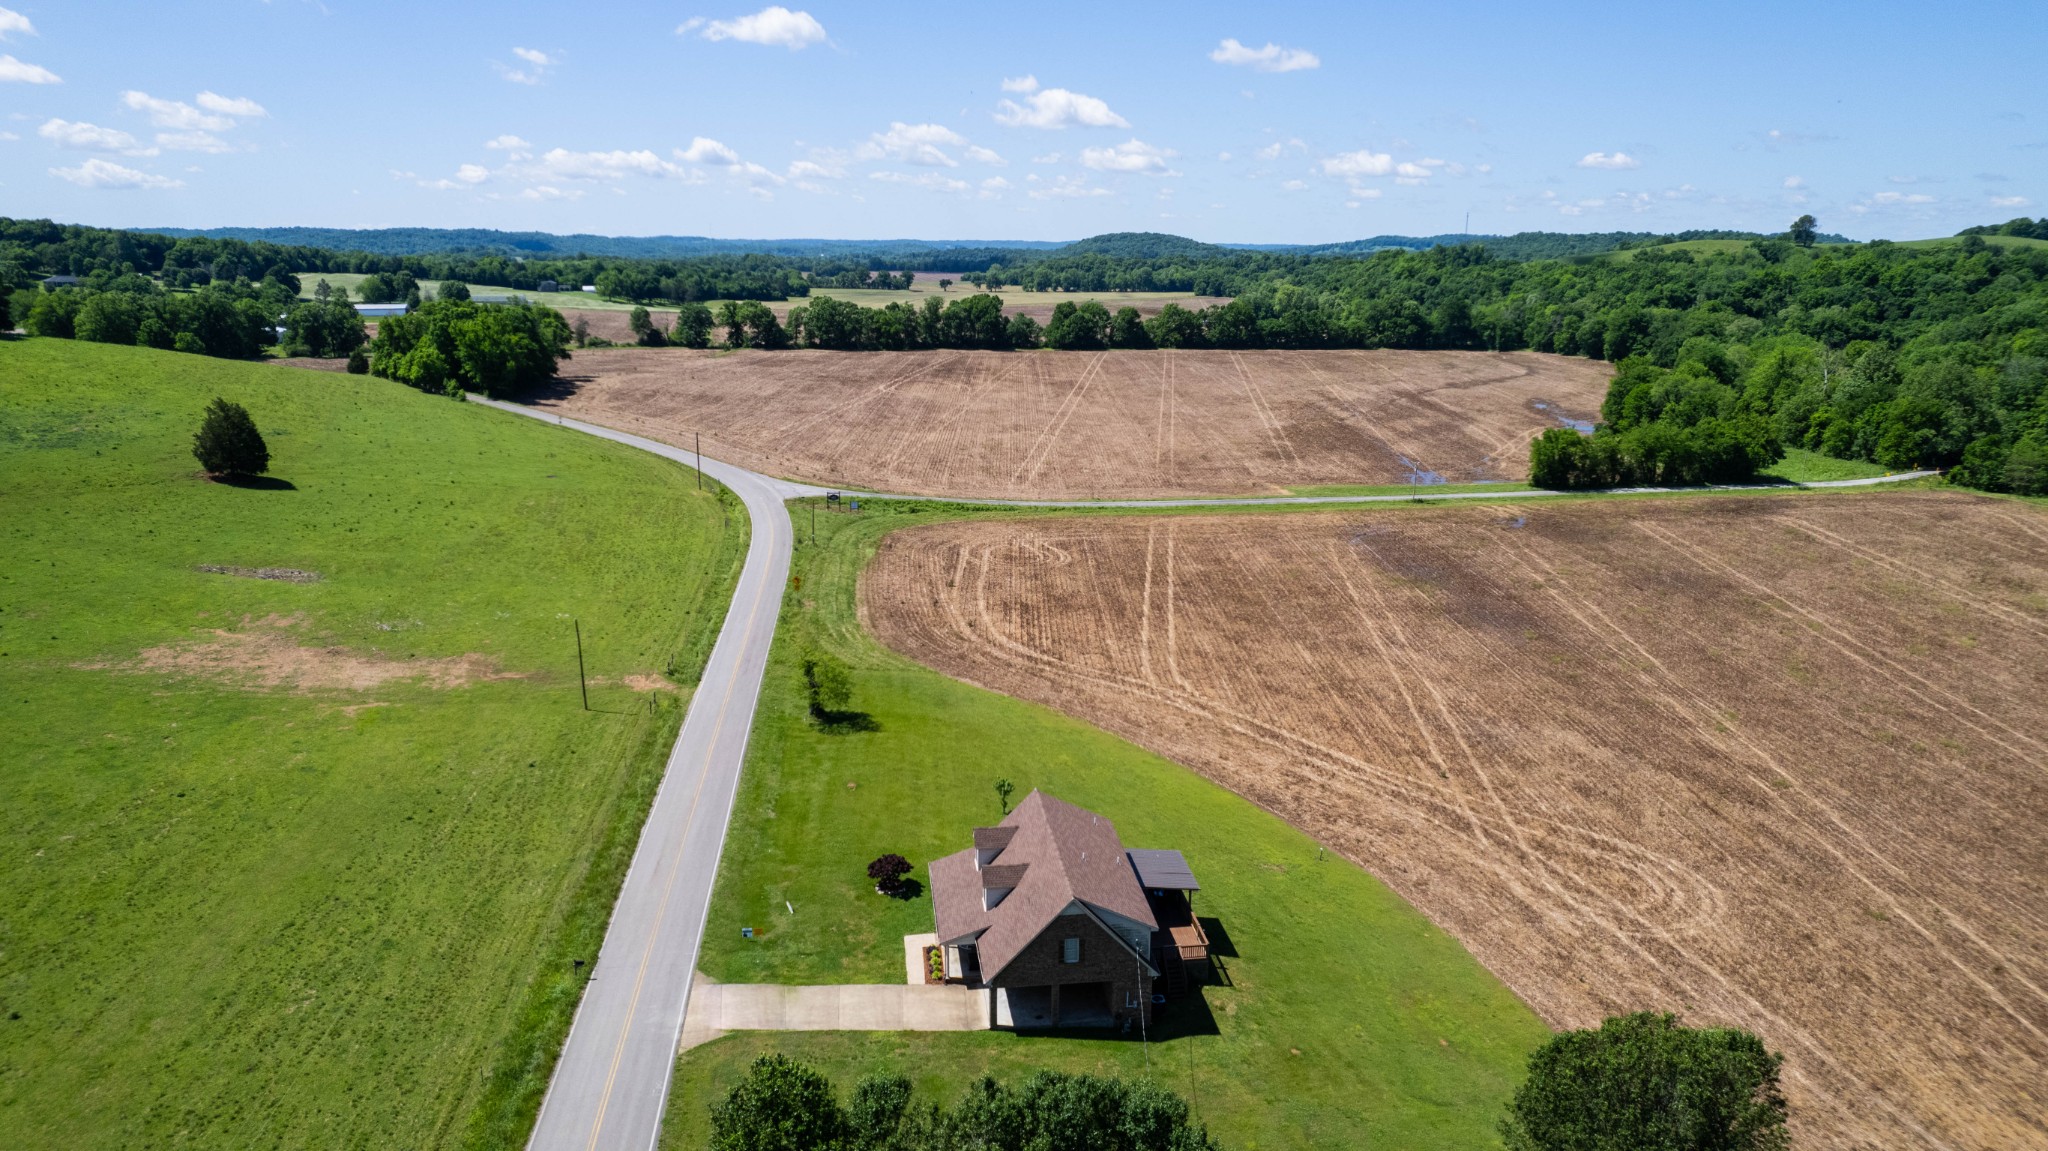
pixel 998 880
pixel 989 842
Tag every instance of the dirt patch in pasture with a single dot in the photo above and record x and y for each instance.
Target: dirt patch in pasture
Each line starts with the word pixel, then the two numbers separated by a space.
pixel 1779 762
pixel 646 683
pixel 1078 425
pixel 265 656
pixel 316 363
pixel 286 575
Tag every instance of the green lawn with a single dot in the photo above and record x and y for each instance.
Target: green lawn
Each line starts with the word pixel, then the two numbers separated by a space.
pixel 1350 1019
pixel 1803 467
pixel 244 916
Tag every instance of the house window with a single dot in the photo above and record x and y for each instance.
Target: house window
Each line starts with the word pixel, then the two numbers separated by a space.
pixel 1070 951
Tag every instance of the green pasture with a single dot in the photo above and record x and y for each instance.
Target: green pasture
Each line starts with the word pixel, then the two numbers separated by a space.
pixel 1804 467
pixel 1348 1019
pixel 238 915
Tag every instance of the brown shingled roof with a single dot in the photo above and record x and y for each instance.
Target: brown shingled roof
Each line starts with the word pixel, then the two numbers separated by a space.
pixel 993 838
pixel 1061 854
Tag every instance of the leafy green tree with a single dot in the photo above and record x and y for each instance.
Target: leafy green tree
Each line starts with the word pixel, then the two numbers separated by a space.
pixel 827 682
pixel 451 346
pixel 452 290
pixel 1804 231
pixel 1642 1082
pixel 1022 331
pixel 228 444
pixel 324 328
pixel 644 331
pixel 878 1113
pixel 781 1105
pixel 945 285
pixel 358 362
pixel 693 325
pixel 1175 327
pixel 1127 329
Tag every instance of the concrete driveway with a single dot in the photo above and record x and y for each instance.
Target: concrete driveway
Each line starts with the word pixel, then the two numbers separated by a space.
pixel 716 1008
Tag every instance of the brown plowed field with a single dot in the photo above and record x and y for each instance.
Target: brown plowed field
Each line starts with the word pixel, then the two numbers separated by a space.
pixel 1076 425
pixel 1780 762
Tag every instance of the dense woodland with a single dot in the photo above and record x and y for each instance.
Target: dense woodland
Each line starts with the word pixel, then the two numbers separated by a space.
pixel 1907 356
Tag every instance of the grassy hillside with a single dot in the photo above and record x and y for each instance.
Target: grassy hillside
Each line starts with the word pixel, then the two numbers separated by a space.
pixel 1350 1020
pixel 303 864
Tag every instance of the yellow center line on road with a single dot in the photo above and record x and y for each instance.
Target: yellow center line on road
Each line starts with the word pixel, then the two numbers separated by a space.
pixel 647 955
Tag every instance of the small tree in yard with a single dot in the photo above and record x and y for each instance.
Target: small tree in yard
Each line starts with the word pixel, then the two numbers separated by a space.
pixel 1642 1082
pixel 358 362
pixel 888 873
pixel 828 684
pixel 228 443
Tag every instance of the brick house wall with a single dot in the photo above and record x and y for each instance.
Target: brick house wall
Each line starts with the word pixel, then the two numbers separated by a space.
pixel 1103 960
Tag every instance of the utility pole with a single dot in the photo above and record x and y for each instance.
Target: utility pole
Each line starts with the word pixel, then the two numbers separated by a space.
pixel 580 681
pixel 814 523
pixel 700 461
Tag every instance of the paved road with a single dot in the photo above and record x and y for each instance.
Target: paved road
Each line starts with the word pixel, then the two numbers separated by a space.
pixel 611 1084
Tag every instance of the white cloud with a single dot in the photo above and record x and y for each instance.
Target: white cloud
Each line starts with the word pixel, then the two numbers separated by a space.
pixel 981 155
pixel 812 170
pixel 1901 198
pixel 1129 156
pixel 507 143
pixel 90 137
pixel 1294 185
pixel 176 114
pixel 472 173
pixel 1067 187
pixel 994 182
pixel 193 142
pixel 773 25
pixel 14 71
pixel 2009 201
pixel 1612 162
pixel 1223 157
pixel 931 180
pixel 913 144
pixel 704 150
pixel 549 192
pixel 1057 108
pixel 1409 171
pixel 1795 181
pixel 566 165
pixel 12 22
pixel 537 64
pixel 1026 83
pixel 1273 150
pixel 98 173
pixel 237 106
pixel 1360 163
pixel 1048 158
pixel 1271 58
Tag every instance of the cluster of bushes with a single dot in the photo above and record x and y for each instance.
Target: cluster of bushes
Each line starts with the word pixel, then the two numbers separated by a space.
pixel 233 320
pixel 1722 412
pixel 453 346
pixel 976 321
pixel 783 1105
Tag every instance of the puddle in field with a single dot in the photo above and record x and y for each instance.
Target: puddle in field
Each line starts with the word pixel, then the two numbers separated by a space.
pixel 1583 427
pixel 1417 474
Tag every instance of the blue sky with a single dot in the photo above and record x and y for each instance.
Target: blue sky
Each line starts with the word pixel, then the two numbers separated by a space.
pixel 1226 122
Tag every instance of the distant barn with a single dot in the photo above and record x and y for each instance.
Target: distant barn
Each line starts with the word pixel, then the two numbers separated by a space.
pixel 369 310
pixel 52 283
pixel 548 286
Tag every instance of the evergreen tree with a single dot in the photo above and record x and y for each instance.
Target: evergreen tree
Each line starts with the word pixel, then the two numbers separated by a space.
pixel 228 443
